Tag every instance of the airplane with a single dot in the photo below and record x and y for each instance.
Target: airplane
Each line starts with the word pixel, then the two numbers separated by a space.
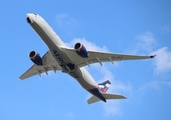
pixel 71 60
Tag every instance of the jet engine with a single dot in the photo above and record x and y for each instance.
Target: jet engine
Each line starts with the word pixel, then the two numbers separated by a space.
pixel 35 58
pixel 81 50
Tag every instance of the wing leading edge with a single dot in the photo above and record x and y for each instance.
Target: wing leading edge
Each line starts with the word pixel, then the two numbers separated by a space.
pixel 49 63
pixel 99 57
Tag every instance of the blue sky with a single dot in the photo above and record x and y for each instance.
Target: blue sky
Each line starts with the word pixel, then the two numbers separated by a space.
pixel 133 27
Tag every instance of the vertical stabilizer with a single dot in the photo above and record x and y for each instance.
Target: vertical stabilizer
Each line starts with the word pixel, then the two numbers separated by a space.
pixel 103 87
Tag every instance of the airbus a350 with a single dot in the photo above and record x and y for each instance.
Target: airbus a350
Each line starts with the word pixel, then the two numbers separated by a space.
pixel 71 60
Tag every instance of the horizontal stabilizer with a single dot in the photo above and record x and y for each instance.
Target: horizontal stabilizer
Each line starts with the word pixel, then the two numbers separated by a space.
pixel 107 96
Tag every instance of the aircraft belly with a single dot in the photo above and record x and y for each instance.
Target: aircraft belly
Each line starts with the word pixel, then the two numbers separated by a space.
pixel 43 35
pixel 47 34
pixel 83 78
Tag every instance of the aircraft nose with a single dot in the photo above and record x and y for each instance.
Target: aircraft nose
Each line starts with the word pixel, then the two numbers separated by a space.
pixel 31 14
pixel 29 18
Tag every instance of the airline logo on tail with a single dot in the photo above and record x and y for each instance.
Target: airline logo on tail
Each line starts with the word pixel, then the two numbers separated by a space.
pixel 103 87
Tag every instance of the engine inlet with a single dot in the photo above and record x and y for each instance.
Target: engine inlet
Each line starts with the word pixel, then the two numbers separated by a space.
pixel 32 54
pixel 29 20
pixel 77 45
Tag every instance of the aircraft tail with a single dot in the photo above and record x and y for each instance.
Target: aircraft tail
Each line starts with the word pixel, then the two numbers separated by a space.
pixel 103 87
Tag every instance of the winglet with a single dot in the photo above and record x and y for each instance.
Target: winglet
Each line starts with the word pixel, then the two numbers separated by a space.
pixel 152 56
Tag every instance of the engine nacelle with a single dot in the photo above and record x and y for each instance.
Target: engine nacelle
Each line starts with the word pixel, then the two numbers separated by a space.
pixel 35 58
pixel 81 50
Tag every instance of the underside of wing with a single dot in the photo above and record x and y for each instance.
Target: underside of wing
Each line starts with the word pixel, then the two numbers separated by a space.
pixel 99 57
pixel 49 63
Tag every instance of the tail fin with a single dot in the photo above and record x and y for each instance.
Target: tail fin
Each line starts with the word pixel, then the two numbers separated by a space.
pixel 107 96
pixel 103 87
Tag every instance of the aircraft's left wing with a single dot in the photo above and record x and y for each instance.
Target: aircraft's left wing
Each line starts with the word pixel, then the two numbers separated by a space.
pixel 99 57
pixel 49 63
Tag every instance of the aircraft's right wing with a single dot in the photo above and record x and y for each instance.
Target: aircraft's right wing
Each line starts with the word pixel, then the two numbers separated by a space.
pixel 49 63
pixel 99 57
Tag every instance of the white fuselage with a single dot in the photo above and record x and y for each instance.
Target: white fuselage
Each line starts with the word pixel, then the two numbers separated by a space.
pixel 54 44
